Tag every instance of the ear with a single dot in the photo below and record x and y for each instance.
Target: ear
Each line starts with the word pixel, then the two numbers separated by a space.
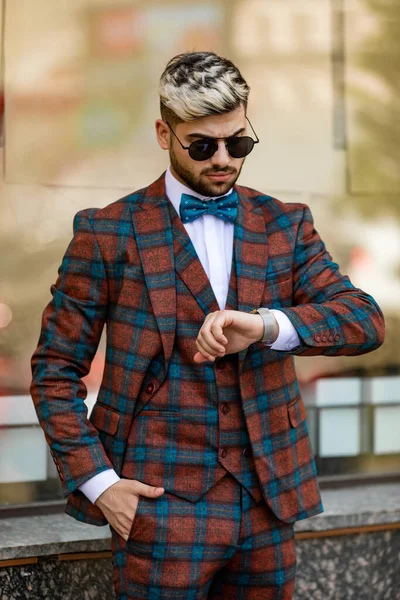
pixel 163 133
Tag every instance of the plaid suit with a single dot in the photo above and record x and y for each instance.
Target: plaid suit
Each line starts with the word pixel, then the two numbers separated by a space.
pixel 131 265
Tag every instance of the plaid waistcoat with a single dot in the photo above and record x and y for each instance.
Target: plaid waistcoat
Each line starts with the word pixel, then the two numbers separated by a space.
pixel 192 431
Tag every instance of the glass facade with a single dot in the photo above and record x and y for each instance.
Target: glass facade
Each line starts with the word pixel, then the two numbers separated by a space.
pixel 80 96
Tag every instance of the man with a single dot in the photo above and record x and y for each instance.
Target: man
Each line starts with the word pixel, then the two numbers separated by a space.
pixel 197 451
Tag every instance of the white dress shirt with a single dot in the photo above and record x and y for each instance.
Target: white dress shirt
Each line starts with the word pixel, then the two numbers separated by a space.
pixel 212 239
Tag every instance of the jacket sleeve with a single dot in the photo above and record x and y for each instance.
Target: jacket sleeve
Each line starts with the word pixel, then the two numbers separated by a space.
pixel 71 329
pixel 330 315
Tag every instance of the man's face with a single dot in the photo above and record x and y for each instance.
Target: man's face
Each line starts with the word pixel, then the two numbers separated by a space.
pixel 216 175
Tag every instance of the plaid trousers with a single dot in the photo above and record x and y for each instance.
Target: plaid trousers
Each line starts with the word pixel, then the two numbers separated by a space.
pixel 225 546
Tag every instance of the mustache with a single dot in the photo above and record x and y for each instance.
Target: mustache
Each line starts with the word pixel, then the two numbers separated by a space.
pixel 227 170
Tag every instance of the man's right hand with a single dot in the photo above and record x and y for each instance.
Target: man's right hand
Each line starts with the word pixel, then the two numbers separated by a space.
pixel 118 503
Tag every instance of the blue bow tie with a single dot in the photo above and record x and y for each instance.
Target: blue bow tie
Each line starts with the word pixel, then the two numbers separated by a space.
pixel 225 208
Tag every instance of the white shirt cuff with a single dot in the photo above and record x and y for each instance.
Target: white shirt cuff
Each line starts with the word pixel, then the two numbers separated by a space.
pixel 287 338
pixel 98 484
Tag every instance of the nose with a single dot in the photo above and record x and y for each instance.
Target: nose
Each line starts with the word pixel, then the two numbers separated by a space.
pixel 221 158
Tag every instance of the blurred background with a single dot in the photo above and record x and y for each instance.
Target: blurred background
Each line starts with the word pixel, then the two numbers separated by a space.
pixel 77 108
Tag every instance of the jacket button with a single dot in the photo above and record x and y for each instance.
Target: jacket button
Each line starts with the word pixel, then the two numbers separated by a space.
pixel 324 338
pixel 225 408
pixel 150 388
pixel 246 452
pixel 331 338
pixel 317 338
pixel 337 337
pixel 223 453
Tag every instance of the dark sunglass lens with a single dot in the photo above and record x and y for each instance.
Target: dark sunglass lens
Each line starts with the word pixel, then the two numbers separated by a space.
pixel 202 149
pixel 239 147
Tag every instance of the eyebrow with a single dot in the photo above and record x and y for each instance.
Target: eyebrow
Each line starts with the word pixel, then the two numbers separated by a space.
pixel 207 137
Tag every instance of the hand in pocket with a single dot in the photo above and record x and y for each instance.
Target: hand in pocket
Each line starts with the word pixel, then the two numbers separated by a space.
pixel 119 503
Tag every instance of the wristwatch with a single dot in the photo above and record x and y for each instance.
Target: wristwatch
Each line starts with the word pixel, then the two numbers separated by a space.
pixel 269 323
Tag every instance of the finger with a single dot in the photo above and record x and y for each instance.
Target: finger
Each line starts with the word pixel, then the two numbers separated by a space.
pixel 212 333
pixel 148 490
pixel 207 341
pixel 218 332
pixel 204 347
pixel 202 343
pixel 210 344
pixel 199 358
pixel 204 355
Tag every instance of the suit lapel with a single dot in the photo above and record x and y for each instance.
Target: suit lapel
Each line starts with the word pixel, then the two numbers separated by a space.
pixel 249 264
pixel 251 256
pixel 166 249
pixel 232 299
pixel 189 267
pixel 152 226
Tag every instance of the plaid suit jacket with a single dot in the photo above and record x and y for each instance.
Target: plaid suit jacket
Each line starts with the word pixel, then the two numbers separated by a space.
pixel 119 269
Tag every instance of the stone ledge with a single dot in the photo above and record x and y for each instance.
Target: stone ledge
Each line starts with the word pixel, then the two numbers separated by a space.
pixel 357 506
pixel 23 537
pixel 40 536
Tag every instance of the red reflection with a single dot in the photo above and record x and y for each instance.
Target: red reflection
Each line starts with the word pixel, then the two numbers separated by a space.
pixel 359 257
pixel 118 32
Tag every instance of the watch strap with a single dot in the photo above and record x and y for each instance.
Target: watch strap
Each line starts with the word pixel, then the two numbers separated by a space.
pixel 269 322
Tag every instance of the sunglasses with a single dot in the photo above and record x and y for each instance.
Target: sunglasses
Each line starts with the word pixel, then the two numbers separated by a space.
pixel 205 148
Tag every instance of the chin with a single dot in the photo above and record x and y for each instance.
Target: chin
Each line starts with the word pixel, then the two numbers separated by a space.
pixel 218 189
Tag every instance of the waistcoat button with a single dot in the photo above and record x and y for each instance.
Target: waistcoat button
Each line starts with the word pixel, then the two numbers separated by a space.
pixel 246 452
pixel 220 365
pixel 223 453
pixel 150 388
pixel 225 408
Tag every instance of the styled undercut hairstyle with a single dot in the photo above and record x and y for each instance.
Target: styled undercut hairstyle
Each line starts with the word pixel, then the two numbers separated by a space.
pixel 200 84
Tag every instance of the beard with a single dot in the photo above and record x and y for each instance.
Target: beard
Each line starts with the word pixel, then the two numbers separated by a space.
pixel 199 183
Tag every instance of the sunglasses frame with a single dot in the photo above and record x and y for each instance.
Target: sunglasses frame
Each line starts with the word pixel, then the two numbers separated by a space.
pixel 211 139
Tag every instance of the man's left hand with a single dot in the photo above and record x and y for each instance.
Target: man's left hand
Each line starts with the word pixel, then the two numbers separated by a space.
pixel 227 332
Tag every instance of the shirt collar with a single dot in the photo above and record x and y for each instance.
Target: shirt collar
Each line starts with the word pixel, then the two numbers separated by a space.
pixel 175 189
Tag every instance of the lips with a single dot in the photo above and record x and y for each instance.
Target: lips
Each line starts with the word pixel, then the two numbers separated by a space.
pixel 219 176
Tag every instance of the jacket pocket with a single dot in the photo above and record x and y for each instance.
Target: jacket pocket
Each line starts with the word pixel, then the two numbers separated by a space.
pixel 105 419
pixel 163 414
pixel 296 411
pixel 278 290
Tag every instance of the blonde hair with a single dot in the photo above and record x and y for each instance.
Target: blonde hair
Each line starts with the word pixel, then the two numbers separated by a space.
pixel 200 84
